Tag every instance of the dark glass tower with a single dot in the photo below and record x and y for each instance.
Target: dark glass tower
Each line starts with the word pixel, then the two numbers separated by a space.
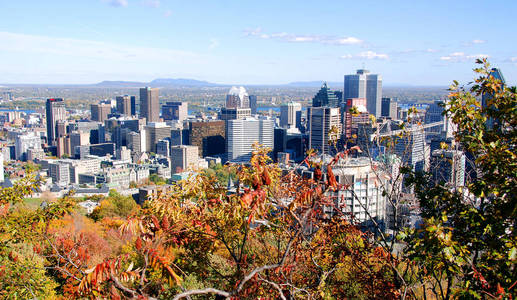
pixel 55 111
pixel 325 97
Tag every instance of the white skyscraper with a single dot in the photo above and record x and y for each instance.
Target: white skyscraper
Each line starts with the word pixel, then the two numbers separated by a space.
pixel 241 135
pixel 365 85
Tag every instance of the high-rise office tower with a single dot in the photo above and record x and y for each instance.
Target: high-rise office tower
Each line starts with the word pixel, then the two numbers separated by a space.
pixel 389 108
pixel 253 104
pixel 78 139
pixel 243 133
pixel 353 112
pixel 208 136
pixel 177 111
pixel 324 125
pixel 156 131
pixel 150 104
pixel 411 147
pixel 55 110
pixel 448 166
pixel 290 115
pixel 234 113
pixel 133 105
pixel 124 105
pixel 237 98
pixel 365 85
pixel 100 111
pixel 497 74
pixel 325 97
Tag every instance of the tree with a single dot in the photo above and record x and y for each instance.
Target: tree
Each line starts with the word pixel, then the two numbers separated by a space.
pixel 467 246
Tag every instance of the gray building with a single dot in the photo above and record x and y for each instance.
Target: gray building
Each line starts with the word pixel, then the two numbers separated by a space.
pixel 323 121
pixel 124 105
pixel 253 104
pixel 365 85
pixel 389 108
pixel 60 173
pixel 291 115
pixel 155 132
pixel 448 166
pixel 234 113
pixel 150 104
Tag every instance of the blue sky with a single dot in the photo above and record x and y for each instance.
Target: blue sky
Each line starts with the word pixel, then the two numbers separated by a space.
pixel 253 42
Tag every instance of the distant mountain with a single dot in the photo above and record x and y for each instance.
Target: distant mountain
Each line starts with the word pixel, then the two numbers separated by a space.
pixel 166 82
pixel 108 83
pixel 313 84
pixel 160 82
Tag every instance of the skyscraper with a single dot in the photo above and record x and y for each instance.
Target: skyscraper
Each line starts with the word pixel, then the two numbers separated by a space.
pixel 497 74
pixel 448 166
pixel 324 125
pixel 290 115
pixel 351 119
pixel 133 105
pixel 325 97
pixel 100 112
pixel 150 104
pixel 365 85
pixel 55 110
pixel 237 98
pixel 389 108
pixel 175 111
pixel 243 133
pixel 234 113
pixel 124 105
pixel 156 131
pixel 253 104
pixel 208 136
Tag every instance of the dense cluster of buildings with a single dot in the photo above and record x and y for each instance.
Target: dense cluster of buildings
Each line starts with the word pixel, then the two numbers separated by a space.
pixel 125 141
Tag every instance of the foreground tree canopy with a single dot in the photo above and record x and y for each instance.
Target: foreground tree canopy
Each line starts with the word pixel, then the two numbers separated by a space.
pixel 267 237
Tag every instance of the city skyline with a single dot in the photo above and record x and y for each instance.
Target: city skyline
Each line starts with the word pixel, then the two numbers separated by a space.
pixel 269 43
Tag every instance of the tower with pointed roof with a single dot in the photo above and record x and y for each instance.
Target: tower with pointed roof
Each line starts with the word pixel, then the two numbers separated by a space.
pixel 325 97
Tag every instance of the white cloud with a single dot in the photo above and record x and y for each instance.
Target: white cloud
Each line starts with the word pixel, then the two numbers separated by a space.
pixel 151 3
pixel 461 56
pixel 478 41
pixel 366 55
pixel 167 13
pixel 117 3
pixel 295 38
pixel 35 45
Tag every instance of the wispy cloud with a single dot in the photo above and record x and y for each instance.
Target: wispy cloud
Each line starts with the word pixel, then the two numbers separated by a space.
pixel 151 3
pixel 366 55
pixel 167 13
pixel 213 43
pixel 35 44
pixel 117 3
pixel 295 38
pixel 461 56
pixel 478 41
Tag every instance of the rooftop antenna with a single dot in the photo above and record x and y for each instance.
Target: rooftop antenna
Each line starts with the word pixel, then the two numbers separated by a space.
pixel 363 65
